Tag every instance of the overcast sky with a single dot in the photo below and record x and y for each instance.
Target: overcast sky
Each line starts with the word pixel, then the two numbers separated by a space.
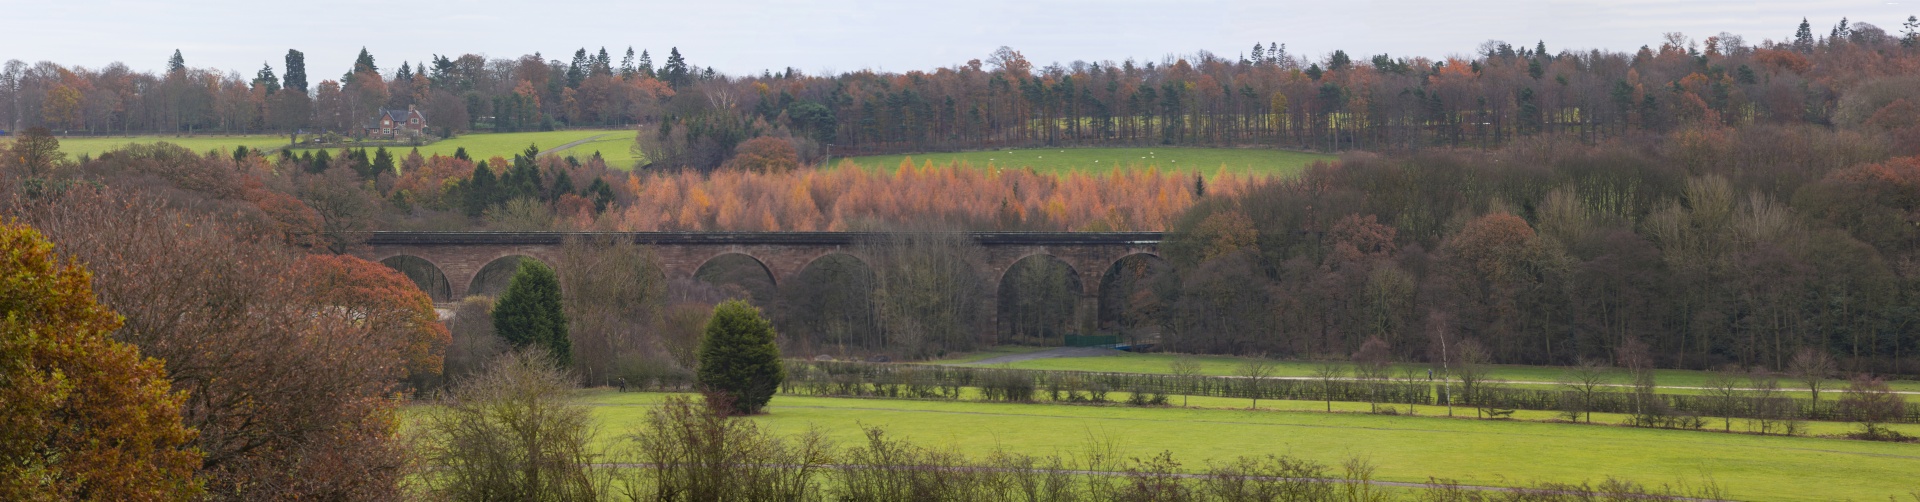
pixel 737 37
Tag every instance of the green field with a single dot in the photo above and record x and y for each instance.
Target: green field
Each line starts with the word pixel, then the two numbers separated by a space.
pixel 616 147
pixel 1404 448
pixel 1210 161
pixel 92 146
pixel 483 146
pixel 1160 363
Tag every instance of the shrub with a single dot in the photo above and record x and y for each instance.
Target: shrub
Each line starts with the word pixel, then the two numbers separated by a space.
pixel 511 433
pixel 738 358
pixel 529 313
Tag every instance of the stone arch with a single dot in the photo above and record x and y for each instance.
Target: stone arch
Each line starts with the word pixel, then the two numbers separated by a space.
pixel 827 306
pixel 424 273
pixel 741 275
pixel 1038 301
pixel 1119 283
pixel 493 277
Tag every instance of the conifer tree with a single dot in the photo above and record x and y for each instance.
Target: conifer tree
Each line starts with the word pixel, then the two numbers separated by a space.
pixel 529 312
pixel 1803 37
pixel 265 78
pixel 738 357
pixel 296 77
pixel 177 63
pixel 646 64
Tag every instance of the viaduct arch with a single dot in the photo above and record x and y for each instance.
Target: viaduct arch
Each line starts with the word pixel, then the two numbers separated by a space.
pixel 450 265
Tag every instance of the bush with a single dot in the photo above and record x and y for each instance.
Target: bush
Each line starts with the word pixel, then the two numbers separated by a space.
pixel 738 358
pixel 698 454
pixel 512 433
pixel 529 313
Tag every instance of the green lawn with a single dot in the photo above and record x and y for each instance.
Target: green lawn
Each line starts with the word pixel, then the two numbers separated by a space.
pixel 92 146
pixel 1209 161
pixel 1404 448
pixel 1159 363
pixel 616 147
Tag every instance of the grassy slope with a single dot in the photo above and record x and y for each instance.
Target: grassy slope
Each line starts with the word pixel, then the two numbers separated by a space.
pixel 92 146
pixel 1404 448
pixel 483 146
pixel 616 147
pixel 1225 365
pixel 1210 161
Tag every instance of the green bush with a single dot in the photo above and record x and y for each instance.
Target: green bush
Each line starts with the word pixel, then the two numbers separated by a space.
pixel 738 359
pixel 529 312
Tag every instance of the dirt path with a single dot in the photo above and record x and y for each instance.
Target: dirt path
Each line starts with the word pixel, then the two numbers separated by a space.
pixel 1052 353
pixel 560 148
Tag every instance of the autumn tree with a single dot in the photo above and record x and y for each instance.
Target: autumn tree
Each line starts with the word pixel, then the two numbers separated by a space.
pixel 34 154
pixel 390 305
pixel 1870 402
pixel 530 312
pixel 739 362
pixel 86 417
pixel 765 154
pixel 609 289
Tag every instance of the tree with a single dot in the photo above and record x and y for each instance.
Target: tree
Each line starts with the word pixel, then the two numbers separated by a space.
pixel 1373 363
pixel 1811 366
pixel 530 312
pixel 675 72
pixel 296 77
pixel 361 64
pixel 176 63
pixel 1803 37
pixel 512 433
pixel 390 305
pixel 739 361
pixel 1724 395
pixel 1584 381
pixel 765 154
pixel 1184 367
pixel 86 417
pixel 1328 374
pixel 35 154
pixel 1470 366
pixel 1255 370
pixel 1871 403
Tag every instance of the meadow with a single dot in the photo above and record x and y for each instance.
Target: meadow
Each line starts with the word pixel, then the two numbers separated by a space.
pixel 483 146
pixel 93 146
pixel 1208 161
pixel 1161 363
pixel 1403 448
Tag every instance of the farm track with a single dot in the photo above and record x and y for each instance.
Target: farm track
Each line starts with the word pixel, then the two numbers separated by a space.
pixel 564 147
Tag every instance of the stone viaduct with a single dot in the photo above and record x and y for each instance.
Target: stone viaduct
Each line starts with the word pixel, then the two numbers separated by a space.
pixel 452 265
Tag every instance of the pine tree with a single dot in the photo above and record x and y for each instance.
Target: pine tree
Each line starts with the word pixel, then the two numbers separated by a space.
pixel 405 73
pixel 577 70
pixel 675 72
pixel 177 63
pixel 1259 54
pixel 479 190
pixel 361 64
pixel 265 78
pixel 738 357
pixel 1911 29
pixel 626 64
pixel 602 64
pixel 529 312
pixel 382 163
pixel 296 77
pixel 646 64
pixel 1803 37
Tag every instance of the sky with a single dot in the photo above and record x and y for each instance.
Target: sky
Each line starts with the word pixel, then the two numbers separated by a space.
pixel 824 36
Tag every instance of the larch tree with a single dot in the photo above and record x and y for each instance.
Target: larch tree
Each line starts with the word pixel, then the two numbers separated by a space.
pixel 86 417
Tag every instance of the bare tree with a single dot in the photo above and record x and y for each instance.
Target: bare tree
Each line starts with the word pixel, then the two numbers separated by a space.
pixel 1185 367
pixel 1871 403
pixel 1470 366
pixel 1373 363
pixel 1585 381
pixel 1724 395
pixel 1255 370
pixel 1813 367
pixel 612 289
pixel 1328 374
pixel 1772 410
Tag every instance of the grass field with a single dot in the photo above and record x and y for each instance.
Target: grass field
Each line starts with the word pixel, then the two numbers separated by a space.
pixel 1209 161
pixel 1404 448
pixel 482 146
pixel 1159 363
pixel 92 146
pixel 616 147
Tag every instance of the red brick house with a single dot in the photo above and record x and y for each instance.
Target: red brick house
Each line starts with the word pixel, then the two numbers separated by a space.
pixel 398 123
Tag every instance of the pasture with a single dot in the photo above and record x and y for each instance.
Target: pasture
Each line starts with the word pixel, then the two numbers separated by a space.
pixel 1404 448
pixel 1161 363
pixel 483 146
pixel 93 146
pixel 1208 161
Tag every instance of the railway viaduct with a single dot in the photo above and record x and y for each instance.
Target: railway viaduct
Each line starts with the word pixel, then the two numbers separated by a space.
pixel 452 265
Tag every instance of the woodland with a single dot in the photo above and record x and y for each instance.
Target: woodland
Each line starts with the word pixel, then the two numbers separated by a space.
pixel 1716 203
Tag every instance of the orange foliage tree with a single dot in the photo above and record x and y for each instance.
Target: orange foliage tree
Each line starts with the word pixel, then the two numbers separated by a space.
pixel 390 305
pixel 85 417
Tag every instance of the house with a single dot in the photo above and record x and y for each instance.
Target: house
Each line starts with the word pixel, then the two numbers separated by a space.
pixel 395 123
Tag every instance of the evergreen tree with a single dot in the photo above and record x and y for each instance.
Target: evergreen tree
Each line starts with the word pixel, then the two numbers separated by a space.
pixel 577 71
pixel 382 163
pixel 321 160
pixel 177 63
pixel 602 64
pixel 461 153
pixel 646 64
pixel 1540 49
pixel 1911 30
pixel 1803 37
pixel 738 358
pixel 529 312
pixel 479 191
pixel 602 194
pixel 363 63
pixel 1259 53
pixel 405 73
pixel 626 64
pixel 296 78
pixel 676 72
pixel 265 78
